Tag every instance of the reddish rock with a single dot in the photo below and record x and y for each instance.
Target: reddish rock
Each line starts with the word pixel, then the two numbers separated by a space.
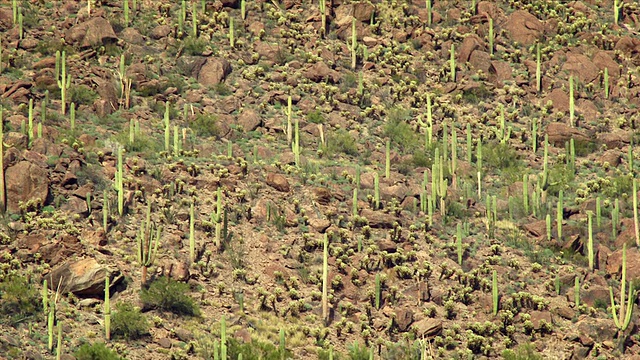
pixel 428 327
pixel 84 277
pixel 404 319
pixel 160 32
pixel 559 133
pixel 615 139
pixel 581 66
pixel 614 263
pixel 25 181
pixel 378 219
pixel 523 27
pixel 468 46
pixel 213 71
pixel 499 71
pixel 249 120
pixel 95 32
pixel 278 182
pixel 320 72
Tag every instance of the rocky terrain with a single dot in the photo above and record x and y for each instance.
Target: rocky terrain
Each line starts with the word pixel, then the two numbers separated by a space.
pixel 319 179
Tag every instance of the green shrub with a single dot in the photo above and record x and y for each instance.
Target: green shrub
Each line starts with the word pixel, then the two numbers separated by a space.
pixel 255 350
pixel 357 352
pixel 316 117
pixel 222 89
pixel 476 94
pixel 399 131
pixel 324 355
pixel 500 155
pixel 205 125
pixel 128 322
pixel 522 352
pixel 81 95
pixel 194 46
pixel 341 141
pixel 560 176
pixel 96 351
pixel 169 295
pixel 19 299
pixel 584 147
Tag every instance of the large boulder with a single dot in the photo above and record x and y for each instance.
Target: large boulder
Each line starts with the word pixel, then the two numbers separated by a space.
pixel 213 71
pixel 25 181
pixel 95 32
pixel 85 277
pixel 523 27
pixel 559 133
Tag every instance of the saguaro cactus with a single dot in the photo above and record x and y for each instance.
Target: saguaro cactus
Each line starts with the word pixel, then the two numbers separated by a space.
pixel 63 79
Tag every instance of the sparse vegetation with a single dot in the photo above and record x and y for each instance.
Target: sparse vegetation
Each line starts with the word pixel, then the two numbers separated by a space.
pixel 472 172
pixel 96 351
pixel 169 295
pixel 128 322
pixel 20 300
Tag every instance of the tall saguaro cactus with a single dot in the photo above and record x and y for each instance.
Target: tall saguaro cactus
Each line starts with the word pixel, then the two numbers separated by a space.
pixel 623 318
pixel 3 194
pixel 63 79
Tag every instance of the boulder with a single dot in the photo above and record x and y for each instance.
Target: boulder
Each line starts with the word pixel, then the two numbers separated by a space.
pixel 428 327
pixel 25 181
pixel 523 27
pixel 85 277
pixel 378 219
pixel 320 72
pixel 213 71
pixel 278 182
pixel 559 133
pixel 582 67
pixel 249 120
pixel 95 32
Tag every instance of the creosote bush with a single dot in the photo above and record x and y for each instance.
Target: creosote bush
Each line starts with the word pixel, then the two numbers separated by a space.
pixel 19 300
pixel 128 322
pixel 341 141
pixel 96 351
pixel 316 117
pixel 169 295
pixel 399 131
pixel 523 352
pixel 81 95
pixel 205 125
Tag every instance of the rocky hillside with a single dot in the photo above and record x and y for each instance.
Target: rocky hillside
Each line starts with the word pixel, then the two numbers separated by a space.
pixel 327 179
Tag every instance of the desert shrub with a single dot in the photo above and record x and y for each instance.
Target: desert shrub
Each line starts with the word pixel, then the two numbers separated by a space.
pixel 618 185
pixel 341 141
pixel 316 117
pixel 476 94
pixel 348 81
pixel 81 95
pixel 96 351
pixel 169 295
pixel 399 131
pixel 205 125
pixel 128 322
pixel 255 350
pixel 422 158
pixel 500 155
pixel 357 352
pixel 19 299
pixel 194 46
pixel 560 176
pixel 585 147
pixel 324 355
pixel 522 352
pixel 222 89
